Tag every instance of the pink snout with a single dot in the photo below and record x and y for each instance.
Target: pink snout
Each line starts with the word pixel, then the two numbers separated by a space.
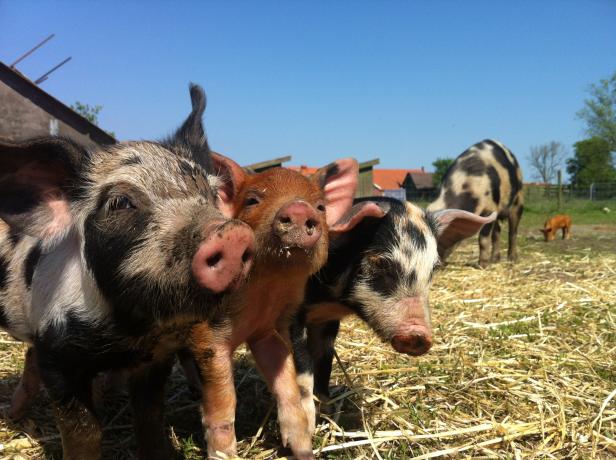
pixel 224 259
pixel 415 341
pixel 297 224
pixel 414 333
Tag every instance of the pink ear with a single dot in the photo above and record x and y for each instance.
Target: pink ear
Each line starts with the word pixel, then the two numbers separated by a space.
pixel 339 182
pixel 356 214
pixel 232 176
pixel 34 179
pixel 454 225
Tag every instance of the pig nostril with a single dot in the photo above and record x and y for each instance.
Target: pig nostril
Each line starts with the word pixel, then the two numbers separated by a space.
pixel 419 344
pixel 285 219
pixel 213 260
pixel 311 224
pixel 247 255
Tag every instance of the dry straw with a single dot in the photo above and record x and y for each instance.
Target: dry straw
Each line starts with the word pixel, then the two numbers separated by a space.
pixel 523 367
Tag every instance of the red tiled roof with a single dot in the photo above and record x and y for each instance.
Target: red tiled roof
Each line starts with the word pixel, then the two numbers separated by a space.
pixel 389 179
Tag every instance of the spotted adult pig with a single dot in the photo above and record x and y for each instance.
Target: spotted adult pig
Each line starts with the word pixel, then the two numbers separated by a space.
pixel 485 178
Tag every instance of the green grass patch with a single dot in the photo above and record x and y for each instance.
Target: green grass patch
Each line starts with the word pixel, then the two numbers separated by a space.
pixel 582 212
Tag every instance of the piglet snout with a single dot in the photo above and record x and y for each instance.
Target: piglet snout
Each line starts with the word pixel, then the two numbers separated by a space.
pixel 415 341
pixel 413 335
pixel 224 259
pixel 297 224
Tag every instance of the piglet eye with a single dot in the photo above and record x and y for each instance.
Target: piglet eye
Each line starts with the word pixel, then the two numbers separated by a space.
pixel 251 201
pixel 118 203
pixel 321 207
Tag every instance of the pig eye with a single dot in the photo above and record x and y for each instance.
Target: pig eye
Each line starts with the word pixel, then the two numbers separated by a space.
pixel 251 201
pixel 321 207
pixel 118 203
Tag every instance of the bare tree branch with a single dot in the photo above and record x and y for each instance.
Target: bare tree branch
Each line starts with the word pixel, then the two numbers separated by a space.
pixel 546 160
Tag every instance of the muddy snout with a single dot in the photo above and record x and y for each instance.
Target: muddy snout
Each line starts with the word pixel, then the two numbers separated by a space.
pixel 224 259
pixel 413 335
pixel 414 341
pixel 297 224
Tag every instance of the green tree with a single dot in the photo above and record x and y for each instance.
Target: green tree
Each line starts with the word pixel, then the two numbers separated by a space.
pixel 88 112
pixel 592 162
pixel 441 165
pixel 599 111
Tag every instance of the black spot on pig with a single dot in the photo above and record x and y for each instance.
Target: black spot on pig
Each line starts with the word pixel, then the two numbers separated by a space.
pixel 495 184
pixel 501 156
pixel 473 166
pixel 417 236
pixel 386 277
pixel 466 200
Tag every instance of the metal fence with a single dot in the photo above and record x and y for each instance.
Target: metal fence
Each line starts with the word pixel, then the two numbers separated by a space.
pixel 532 193
pixel 594 192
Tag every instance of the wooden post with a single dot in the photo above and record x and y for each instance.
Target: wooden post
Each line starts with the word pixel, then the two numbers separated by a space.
pixel 559 191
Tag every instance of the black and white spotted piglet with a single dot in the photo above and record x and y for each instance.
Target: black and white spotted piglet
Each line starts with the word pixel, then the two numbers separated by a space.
pixel 107 259
pixel 381 270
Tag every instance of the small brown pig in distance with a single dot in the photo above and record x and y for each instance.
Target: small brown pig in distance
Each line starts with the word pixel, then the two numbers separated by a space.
pixel 289 214
pixel 562 221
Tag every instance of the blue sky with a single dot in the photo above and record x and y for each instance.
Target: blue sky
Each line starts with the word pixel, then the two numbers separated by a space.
pixel 403 81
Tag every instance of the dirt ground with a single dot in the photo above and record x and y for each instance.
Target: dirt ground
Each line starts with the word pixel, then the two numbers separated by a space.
pixel 523 367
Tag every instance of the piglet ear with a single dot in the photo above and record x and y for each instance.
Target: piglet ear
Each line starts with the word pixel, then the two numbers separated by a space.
pixel 358 213
pixel 454 225
pixel 35 180
pixel 191 134
pixel 232 177
pixel 339 182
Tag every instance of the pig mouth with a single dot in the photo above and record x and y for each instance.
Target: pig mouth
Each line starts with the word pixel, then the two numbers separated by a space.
pixel 279 250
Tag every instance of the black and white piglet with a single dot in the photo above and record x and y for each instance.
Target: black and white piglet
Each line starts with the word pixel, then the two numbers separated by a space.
pixel 380 269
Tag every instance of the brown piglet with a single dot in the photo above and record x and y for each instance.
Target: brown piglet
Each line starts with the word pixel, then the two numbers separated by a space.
pixel 560 221
pixel 289 214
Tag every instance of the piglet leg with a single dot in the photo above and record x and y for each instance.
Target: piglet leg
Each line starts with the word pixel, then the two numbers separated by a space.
pixel 147 394
pixel 28 388
pixel 275 361
pixel 215 364
pixel 78 425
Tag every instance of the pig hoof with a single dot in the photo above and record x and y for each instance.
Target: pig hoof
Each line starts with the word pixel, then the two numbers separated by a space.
pixel 221 443
pixel 294 433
